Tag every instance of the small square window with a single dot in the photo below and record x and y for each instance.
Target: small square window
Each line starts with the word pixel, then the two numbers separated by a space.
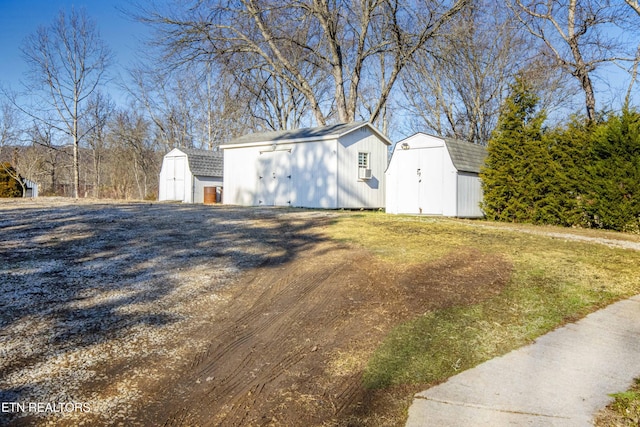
pixel 364 170
pixel 363 160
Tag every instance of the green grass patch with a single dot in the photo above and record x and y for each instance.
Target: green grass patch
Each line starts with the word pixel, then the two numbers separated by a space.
pixel 625 409
pixel 626 400
pixel 553 281
pixel 439 344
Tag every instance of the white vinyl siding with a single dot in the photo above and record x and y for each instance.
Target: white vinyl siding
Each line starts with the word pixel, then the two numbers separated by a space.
pixel 199 182
pixel 469 195
pixel 299 175
pixel 354 192
pixel 422 179
pixel 318 173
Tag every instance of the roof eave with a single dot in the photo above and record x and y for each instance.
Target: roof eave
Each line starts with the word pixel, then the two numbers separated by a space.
pixel 380 135
pixel 280 141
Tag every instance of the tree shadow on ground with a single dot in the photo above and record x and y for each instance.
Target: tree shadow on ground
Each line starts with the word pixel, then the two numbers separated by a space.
pixel 78 275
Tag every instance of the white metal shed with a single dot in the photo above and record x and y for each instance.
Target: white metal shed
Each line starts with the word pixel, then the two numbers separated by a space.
pixel 435 176
pixel 187 174
pixel 31 188
pixel 337 166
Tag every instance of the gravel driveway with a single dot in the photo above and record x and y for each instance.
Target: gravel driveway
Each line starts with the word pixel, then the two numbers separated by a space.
pixel 95 294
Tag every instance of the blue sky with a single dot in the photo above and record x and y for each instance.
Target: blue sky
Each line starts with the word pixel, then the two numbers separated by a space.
pixel 20 18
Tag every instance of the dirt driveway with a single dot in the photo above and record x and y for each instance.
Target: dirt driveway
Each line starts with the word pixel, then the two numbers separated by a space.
pixel 162 314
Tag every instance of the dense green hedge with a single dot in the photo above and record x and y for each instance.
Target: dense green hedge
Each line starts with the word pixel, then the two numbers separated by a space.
pixel 579 174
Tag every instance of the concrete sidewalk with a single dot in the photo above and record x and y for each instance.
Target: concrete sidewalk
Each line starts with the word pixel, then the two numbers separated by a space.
pixel 562 379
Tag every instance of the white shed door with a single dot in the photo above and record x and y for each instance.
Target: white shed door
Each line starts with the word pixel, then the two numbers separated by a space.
pixel 180 169
pixel 169 178
pixel 176 167
pixel 431 182
pixel 274 175
pixel 408 183
pixel 419 181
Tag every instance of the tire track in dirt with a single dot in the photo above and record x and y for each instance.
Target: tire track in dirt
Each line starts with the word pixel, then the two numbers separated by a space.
pixel 285 325
pixel 254 323
pixel 271 349
pixel 253 355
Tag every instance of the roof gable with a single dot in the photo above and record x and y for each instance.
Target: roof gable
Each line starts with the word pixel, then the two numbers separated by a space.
pixel 204 162
pixel 465 156
pixel 306 134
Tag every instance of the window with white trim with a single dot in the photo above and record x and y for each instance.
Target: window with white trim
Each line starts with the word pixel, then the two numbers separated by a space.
pixel 364 171
pixel 363 160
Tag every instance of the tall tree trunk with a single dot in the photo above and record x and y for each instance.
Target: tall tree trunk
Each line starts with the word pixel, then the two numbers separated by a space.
pixel 135 171
pixel 76 161
pixel 96 176
pixel 589 95
pixel 581 69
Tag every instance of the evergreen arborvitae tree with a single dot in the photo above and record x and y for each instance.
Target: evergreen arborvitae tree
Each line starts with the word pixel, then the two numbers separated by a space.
pixel 512 179
pixel 568 150
pixel 614 196
pixel 9 187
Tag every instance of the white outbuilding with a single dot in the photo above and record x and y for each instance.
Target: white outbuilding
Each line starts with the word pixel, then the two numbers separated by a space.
pixel 191 176
pixel 31 188
pixel 435 176
pixel 337 166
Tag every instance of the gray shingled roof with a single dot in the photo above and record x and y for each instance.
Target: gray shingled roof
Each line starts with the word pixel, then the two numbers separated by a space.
pixel 204 162
pixel 466 157
pixel 286 135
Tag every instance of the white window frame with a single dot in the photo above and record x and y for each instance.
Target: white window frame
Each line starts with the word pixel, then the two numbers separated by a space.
pixel 367 159
pixel 364 165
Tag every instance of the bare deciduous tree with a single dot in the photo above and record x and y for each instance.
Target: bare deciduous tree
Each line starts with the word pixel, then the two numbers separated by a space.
pixel 332 53
pixel 455 88
pixel 67 61
pixel 271 101
pixel 48 156
pixel 634 68
pixel 194 106
pixel 634 5
pixel 131 143
pixel 7 125
pixel 574 34
pixel 99 110
pixel 168 99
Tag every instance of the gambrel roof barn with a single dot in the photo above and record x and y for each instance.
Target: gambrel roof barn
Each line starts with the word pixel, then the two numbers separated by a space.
pixel 435 176
pixel 187 174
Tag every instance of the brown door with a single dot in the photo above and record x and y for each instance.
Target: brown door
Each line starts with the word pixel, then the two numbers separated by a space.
pixel 209 195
